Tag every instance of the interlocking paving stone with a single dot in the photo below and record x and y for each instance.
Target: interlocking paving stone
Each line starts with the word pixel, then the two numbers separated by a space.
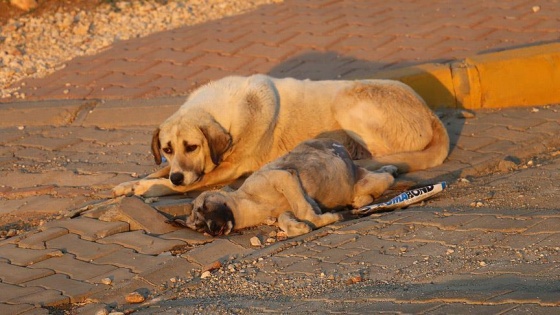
pixel 76 290
pixel 127 258
pixel 117 276
pixel 550 225
pixel 139 216
pixel 89 229
pixel 14 274
pixel 16 308
pixel 11 291
pixel 141 242
pixel 37 240
pixel 25 257
pixel 82 249
pixel 46 297
pixel 178 268
pixel 492 223
pixel 76 269
pixel 188 236
pixel 460 308
pixel 219 249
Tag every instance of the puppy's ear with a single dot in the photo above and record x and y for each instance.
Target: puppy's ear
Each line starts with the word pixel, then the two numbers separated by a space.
pixel 156 147
pixel 219 141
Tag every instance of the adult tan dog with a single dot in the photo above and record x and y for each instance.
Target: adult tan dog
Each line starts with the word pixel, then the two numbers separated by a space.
pixel 233 126
pixel 300 189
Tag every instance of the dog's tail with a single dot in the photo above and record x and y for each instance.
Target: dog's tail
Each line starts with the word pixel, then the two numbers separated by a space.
pixel 432 155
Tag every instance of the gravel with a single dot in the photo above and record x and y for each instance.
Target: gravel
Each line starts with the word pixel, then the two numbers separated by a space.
pixel 37 46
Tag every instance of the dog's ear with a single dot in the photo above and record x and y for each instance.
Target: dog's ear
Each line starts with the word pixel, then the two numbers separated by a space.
pixel 219 141
pixel 156 147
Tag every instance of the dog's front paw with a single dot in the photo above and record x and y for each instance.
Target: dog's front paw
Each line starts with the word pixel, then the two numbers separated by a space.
pixel 124 189
pixel 391 169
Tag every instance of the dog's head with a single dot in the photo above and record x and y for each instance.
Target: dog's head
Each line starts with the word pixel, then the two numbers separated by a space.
pixel 212 214
pixel 192 148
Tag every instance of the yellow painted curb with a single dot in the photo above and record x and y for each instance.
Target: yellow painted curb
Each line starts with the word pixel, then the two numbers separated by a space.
pixel 519 77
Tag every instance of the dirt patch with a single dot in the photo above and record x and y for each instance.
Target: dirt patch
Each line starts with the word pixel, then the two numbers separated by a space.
pixel 8 11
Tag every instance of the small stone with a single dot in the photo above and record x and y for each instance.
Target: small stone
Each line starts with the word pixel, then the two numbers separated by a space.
pixel 450 251
pixel 21 127
pixel 25 5
pixel 173 280
pixel 255 241
pixel 134 298
pixel 482 263
pixel 102 311
pixel 465 114
pixel 530 163
pixel 213 266
pixel 536 8
pixel 355 279
pixel 107 281
pixel 205 275
pixel 270 240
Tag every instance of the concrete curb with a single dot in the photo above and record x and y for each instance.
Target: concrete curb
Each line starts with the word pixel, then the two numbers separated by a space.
pixel 527 76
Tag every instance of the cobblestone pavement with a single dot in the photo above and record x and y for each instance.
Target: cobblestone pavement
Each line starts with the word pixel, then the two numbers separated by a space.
pixel 459 253
pixel 314 39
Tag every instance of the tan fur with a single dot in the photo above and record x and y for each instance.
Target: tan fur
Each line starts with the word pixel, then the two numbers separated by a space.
pixel 241 123
pixel 300 189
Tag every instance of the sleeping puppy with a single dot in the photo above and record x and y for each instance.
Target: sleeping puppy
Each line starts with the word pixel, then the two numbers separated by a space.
pixel 304 189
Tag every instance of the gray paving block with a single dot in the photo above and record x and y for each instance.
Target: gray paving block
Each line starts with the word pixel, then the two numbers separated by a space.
pixel 118 276
pixel 47 297
pixel 16 308
pixel 88 229
pixel 127 258
pixel 77 291
pixel 134 211
pixel 188 236
pixel 37 240
pixel 14 274
pixel 220 249
pixel 24 257
pixel 335 240
pixel 82 249
pixel 76 269
pixel 141 242
pixel 11 291
pixel 178 268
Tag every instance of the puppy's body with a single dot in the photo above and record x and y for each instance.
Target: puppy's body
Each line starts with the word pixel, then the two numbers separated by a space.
pixel 234 126
pixel 317 178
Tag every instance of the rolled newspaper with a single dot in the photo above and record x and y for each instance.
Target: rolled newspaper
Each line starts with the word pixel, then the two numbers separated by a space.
pixel 403 200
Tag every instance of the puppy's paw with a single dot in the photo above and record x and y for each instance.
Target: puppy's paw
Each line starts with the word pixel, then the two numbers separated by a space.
pixel 391 169
pixel 297 229
pixel 124 189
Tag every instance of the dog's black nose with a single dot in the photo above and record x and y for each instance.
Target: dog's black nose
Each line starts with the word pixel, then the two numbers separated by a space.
pixel 177 178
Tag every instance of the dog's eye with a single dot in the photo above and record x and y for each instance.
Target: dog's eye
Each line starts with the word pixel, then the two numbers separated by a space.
pixel 168 150
pixel 191 147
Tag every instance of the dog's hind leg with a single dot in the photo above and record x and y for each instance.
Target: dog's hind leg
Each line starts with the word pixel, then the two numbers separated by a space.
pixel 371 185
pixel 290 224
pixel 303 206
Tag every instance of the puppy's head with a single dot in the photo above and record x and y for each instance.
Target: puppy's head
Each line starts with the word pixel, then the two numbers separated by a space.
pixel 192 148
pixel 212 214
